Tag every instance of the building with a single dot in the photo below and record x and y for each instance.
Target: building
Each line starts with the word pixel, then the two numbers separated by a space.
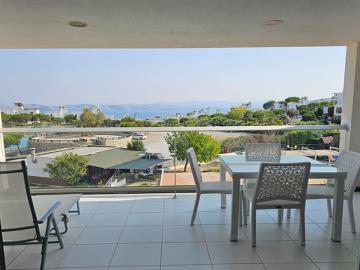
pixel 103 164
pixel 61 112
pixel 280 105
pixel 21 108
pixel 294 105
pixel 338 98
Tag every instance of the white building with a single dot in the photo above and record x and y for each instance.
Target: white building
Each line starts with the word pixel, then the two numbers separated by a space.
pixel 280 105
pixel 61 112
pixel 20 108
pixel 338 98
pixel 295 105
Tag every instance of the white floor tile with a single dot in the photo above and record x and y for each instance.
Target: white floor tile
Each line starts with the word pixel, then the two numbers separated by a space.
pixel 312 232
pixel 80 220
pixel 185 233
pixel 292 266
pixel 267 232
pixel 147 207
pixel 11 252
pixel 89 255
pixel 229 252
pixel 145 267
pixel 71 235
pixel 141 234
pixel 184 253
pixel 280 252
pixel 215 218
pixel 328 251
pixel 137 254
pixel 144 219
pixel 186 267
pixel 31 257
pixel 100 235
pixel 108 219
pixel 243 266
pixel 336 266
pixel 179 219
pixel 115 207
pixel 220 233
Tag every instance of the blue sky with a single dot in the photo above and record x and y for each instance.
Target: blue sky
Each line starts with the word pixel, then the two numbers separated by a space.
pixel 122 76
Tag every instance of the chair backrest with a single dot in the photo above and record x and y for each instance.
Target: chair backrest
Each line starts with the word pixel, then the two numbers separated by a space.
pixel 282 181
pixel 349 162
pixel 17 214
pixel 194 165
pixel 264 152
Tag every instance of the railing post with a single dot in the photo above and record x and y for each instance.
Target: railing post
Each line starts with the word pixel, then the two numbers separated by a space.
pixel 2 147
pixel 174 163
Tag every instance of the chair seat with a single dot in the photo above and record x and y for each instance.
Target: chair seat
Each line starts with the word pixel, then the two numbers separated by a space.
pixel 216 187
pixel 43 202
pixel 319 192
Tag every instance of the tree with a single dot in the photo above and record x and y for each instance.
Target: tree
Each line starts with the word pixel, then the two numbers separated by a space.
pixel 68 167
pixel 70 118
pixel 292 99
pixel 237 113
pixel 269 105
pixel 136 145
pixel 13 139
pixel 90 119
pixel 308 116
pixel 205 146
pixel 171 122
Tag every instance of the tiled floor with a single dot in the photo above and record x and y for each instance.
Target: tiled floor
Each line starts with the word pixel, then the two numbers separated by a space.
pixel 152 232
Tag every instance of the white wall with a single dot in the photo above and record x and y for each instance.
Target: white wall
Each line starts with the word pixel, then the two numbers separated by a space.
pixel 351 99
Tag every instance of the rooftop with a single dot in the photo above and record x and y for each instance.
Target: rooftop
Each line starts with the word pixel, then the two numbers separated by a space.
pixel 152 232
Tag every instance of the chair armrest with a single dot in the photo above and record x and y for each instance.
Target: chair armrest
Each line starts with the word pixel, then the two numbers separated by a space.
pixel 50 211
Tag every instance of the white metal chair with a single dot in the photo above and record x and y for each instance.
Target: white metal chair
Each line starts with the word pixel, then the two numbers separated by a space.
pixel 204 187
pixel 349 162
pixel 35 217
pixel 279 186
pixel 263 152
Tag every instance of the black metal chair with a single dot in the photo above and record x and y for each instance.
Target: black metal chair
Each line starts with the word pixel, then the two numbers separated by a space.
pixel 22 222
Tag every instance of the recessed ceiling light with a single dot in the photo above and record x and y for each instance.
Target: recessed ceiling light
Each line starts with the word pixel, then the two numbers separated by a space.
pixel 273 22
pixel 78 24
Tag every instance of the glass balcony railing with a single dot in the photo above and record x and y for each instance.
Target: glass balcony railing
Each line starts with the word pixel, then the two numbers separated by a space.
pixel 100 160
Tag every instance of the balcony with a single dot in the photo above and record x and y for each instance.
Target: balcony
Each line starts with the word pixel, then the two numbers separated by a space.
pixel 152 231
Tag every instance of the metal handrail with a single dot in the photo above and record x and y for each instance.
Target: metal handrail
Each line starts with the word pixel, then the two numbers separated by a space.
pixel 172 129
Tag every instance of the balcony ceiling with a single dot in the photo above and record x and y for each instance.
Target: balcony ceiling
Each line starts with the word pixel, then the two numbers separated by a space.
pixel 177 23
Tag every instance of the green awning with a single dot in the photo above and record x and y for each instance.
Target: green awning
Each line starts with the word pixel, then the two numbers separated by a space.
pixel 139 164
pixel 114 157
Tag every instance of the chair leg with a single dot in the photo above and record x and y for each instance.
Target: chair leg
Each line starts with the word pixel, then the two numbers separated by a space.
pixel 241 209
pixel 280 215
pixel 253 226
pixel 2 252
pixel 57 232
pixel 351 215
pixel 329 207
pixel 45 242
pixel 302 226
pixel 248 207
pixel 288 215
pixel 197 200
pixel 245 212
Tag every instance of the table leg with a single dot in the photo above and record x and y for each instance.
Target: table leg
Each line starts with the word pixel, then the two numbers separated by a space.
pixel 336 226
pixel 235 209
pixel 223 179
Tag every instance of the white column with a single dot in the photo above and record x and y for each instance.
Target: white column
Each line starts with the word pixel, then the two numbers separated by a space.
pixel 2 147
pixel 351 99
